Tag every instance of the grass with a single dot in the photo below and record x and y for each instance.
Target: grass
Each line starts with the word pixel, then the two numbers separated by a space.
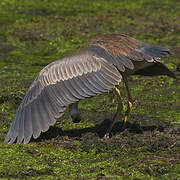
pixel 35 33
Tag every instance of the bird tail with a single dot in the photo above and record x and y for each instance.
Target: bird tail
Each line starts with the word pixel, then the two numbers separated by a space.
pixel 156 69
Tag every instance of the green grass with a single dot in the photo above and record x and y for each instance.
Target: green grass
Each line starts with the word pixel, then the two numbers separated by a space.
pixel 37 32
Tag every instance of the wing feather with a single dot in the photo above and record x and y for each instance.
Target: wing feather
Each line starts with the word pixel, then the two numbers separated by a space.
pixel 49 118
pixel 28 125
pixel 15 128
pixel 35 123
pixel 89 84
pixel 62 82
pixel 122 50
pixel 53 105
pixel 79 87
pixel 125 61
pixel 87 92
pixel 97 84
pixel 21 127
pixel 75 93
pixel 73 69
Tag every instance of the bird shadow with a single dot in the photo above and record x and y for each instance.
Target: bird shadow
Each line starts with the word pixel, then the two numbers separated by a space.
pixel 99 130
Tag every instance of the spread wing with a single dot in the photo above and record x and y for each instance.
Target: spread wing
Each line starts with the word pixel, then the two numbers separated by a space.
pixel 62 82
pixel 87 73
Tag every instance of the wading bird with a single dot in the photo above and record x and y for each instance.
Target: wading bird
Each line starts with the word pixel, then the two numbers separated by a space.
pixel 98 68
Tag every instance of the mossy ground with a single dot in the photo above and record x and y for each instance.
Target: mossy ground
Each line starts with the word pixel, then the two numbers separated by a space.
pixel 37 32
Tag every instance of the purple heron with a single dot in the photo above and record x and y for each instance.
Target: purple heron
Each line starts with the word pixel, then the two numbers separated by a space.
pixel 100 67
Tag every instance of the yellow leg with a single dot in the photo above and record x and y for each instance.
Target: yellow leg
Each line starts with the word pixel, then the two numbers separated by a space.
pixel 118 113
pixel 130 102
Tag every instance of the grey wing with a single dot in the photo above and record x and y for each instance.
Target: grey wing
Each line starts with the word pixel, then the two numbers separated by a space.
pixel 62 82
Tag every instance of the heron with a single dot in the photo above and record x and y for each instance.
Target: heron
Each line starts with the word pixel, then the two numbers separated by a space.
pixel 107 60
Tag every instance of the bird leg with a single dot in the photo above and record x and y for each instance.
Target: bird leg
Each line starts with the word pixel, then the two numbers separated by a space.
pixel 130 102
pixel 118 113
pixel 74 113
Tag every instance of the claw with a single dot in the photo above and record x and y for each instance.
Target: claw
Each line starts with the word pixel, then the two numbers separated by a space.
pixel 107 136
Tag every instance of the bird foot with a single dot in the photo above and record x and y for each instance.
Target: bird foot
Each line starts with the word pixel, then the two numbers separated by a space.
pixel 76 119
pixel 107 136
